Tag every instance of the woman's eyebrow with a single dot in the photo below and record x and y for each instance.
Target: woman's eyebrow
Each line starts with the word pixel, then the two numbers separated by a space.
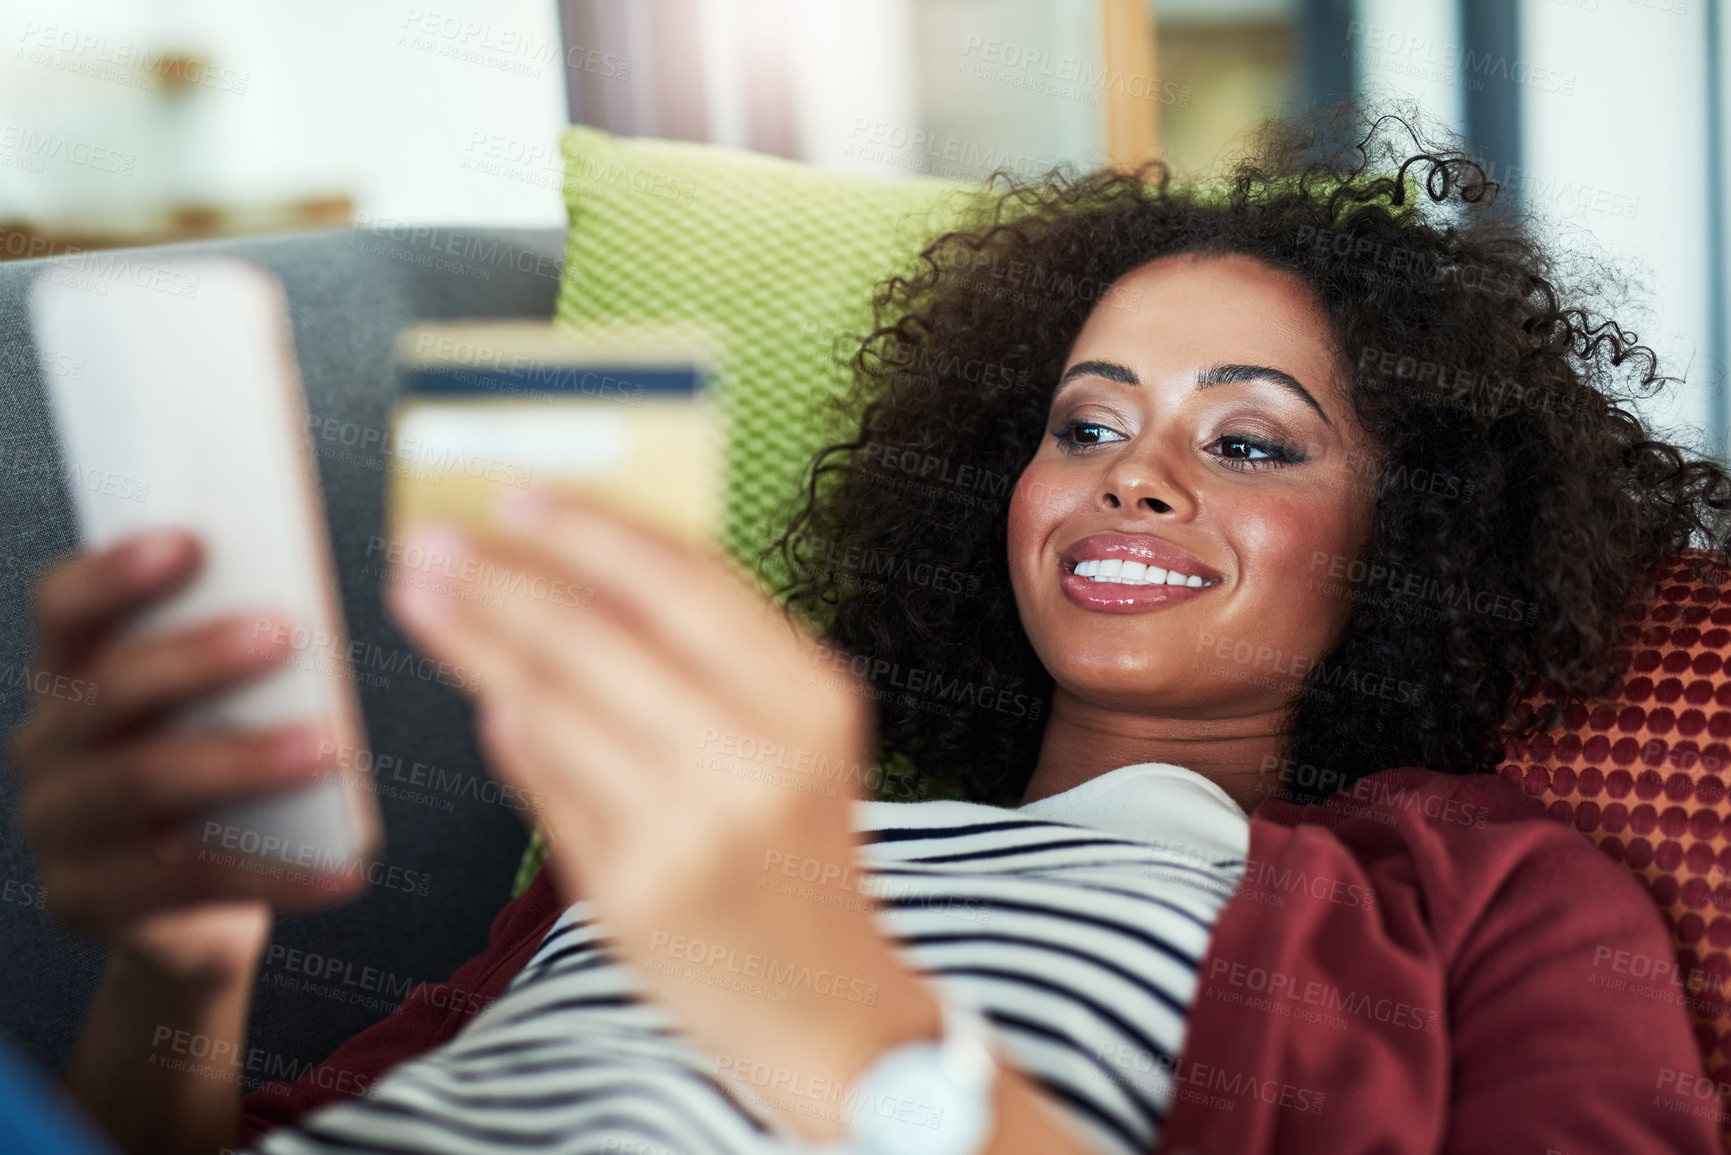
pixel 1110 370
pixel 1241 374
pixel 1218 375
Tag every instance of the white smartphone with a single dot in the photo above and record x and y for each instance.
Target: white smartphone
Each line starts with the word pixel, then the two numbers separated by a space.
pixel 178 402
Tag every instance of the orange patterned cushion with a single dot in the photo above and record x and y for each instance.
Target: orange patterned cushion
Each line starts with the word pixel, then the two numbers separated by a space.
pixel 1642 771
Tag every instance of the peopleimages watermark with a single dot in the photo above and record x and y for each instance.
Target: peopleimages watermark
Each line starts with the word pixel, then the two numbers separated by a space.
pixel 93 271
pixel 20 461
pixel 407 457
pixel 498 370
pixel 79 691
pixel 918 150
pixel 1661 979
pixel 928 477
pixel 32 147
pixel 916 369
pixel 1408 263
pixel 122 62
pixel 811 771
pixel 916 462
pixel 1563 192
pixel 921 686
pixel 854 887
pixel 850 562
pixel 1710 1094
pixel 1028 282
pixel 1204 1083
pixel 585 173
pixel 1369 798
pixel 544 165
pixel 1388 584
pixel 1311 1000
pixel 1261 882
pixel 452 250
pixel 277 856
pixel 802 1094
pixel 1373 477
pixel 629 1144
pixel 470 578
pixel 1268 881
pixel 412 780
pixel 759 975
pixel 1065 77
pixel 23 893
pixel 358 657
pixel 1471 390
pixel 360 984
pixel 502 49
pixel 1447 62
pixel 225 1060
pixel 1271 667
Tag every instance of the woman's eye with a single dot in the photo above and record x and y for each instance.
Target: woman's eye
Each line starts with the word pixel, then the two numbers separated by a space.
pixel 1248 453
pixel 1073 435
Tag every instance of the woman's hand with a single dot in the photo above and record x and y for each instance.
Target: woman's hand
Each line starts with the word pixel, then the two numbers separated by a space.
pixel 688 743
pixel 103 784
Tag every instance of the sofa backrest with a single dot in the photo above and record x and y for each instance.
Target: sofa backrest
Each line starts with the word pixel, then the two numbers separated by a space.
pixel 451 842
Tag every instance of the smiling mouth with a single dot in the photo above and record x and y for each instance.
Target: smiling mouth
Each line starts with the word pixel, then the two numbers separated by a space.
pixel 1117 571
pixel 1127 573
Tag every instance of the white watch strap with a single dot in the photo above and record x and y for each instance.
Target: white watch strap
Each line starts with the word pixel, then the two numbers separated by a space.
pixel 964 1061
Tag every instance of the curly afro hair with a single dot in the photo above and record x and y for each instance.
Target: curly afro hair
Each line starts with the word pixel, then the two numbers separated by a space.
pixel 1520 504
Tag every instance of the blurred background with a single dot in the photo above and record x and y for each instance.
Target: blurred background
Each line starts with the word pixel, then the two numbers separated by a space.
pixel 128 122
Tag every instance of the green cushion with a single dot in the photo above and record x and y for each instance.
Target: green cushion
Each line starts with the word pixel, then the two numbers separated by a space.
pixel 779 259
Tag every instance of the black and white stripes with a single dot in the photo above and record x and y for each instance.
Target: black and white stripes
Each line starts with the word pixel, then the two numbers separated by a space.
pixel 1078 945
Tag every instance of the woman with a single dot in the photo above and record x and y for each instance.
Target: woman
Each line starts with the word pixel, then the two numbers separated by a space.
pixel 1225 645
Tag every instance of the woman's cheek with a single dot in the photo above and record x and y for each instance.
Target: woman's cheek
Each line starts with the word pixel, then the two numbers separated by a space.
pixel 1033 511
pixel 1292 545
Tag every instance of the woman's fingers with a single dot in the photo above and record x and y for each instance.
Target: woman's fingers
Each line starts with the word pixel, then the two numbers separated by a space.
pixel 545 744
pixel 597 657
pixel 524 684
pixel 143 678
pixel 693 605
pixel 122 792
pixel 76 602
pixel 125 884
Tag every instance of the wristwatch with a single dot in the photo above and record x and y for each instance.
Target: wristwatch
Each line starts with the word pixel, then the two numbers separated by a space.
pixel 926 1098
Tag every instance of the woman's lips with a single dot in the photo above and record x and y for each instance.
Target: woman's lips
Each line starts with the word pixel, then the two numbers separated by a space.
pixel 1144 554
pixel 1117 598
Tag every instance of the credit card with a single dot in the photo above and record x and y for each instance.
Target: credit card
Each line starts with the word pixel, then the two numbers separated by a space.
pixel 626 414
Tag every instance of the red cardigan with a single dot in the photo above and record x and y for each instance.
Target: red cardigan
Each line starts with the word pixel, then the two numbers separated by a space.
pixel 1425 963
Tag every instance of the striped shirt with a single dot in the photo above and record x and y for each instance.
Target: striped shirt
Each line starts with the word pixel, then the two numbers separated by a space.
pixel 1073 924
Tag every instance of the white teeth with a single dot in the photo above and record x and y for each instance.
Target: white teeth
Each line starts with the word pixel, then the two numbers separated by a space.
pixel 1135 573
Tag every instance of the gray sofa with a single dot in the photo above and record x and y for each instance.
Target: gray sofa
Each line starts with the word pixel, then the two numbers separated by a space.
pixel 330 974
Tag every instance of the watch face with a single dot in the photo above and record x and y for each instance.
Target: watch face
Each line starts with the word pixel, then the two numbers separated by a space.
pixel 912 1103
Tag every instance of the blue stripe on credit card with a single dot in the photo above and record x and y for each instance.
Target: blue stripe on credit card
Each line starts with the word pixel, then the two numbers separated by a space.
pixel 604 382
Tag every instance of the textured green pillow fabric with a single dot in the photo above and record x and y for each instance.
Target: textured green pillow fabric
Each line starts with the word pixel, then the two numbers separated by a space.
pixel 777 258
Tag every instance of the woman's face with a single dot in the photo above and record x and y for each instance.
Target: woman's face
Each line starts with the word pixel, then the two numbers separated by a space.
pixel 1201 428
